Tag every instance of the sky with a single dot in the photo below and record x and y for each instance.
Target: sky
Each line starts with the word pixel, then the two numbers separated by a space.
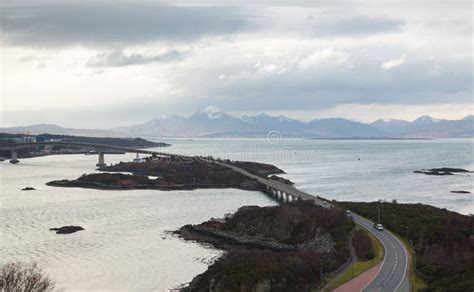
pixel 102 64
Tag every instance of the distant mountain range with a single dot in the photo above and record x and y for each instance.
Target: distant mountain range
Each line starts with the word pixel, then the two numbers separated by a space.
pixel 213 122
pixel 428 127
pixel 54 129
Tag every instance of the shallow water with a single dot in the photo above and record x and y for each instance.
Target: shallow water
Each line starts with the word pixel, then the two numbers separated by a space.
pixel 126 245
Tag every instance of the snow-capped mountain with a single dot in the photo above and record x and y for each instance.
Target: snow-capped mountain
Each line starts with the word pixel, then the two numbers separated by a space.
pixel 214 122
pixel 428 127
pixel 469 118
pixel 212 112
pixel 424 121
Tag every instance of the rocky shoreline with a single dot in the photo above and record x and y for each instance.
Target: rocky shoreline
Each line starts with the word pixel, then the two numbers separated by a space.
pixel 229 240
pixel 272 248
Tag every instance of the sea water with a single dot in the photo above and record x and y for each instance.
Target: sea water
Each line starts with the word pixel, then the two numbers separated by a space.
pixel 126 244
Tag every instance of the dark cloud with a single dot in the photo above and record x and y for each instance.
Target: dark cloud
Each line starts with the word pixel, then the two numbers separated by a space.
pixel 117 24
pixel 416 82
pixel 121 59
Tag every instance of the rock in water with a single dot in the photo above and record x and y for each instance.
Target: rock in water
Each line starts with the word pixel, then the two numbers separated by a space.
pixel 441 171
pixel 28 189
pixel 67 229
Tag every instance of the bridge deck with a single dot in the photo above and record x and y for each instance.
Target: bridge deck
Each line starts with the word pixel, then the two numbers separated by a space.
pixel 99 147
pixel 279 186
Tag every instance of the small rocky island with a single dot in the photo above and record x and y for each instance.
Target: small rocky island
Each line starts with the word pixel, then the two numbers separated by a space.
pixel 441 171
pixel 28 189
pixel 67 229
pixel 273 248
pixel 171 173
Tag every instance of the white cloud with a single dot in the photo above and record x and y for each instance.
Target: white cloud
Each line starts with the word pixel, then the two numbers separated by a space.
pixel 299 59
pixel 393 63
pixel 324 59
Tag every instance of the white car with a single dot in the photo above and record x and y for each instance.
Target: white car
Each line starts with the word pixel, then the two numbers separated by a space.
pixel 378 226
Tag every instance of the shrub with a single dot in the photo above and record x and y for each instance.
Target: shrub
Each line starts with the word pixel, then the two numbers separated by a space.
pixel 363 245
pixel 28 277
pixel 441 240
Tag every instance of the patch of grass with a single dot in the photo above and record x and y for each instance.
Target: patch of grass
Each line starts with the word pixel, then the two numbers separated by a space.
pixel 358 267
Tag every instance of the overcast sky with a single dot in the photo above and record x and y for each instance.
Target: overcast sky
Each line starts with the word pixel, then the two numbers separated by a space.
pixel 109 63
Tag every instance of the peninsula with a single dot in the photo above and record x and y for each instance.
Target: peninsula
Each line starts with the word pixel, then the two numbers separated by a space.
pixel 293 246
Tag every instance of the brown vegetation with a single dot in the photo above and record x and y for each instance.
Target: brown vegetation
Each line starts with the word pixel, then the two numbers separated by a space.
pixel 362 245
pixel 442 240
pixel 291 223
pixel 263 270
pixel 16 277
pixel 173 173
pixel 306 242
pixel 260 169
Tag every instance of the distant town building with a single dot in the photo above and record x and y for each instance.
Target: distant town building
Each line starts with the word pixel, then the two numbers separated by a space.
pixel 29 139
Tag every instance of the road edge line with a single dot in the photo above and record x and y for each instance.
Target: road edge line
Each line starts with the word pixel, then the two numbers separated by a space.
pixel 384 255
pixel 406 260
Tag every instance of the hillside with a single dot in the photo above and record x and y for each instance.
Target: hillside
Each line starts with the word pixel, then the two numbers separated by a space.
pixel 441 239
pixel 281 248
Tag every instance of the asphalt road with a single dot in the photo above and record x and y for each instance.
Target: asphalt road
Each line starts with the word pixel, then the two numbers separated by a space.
pixel 392 274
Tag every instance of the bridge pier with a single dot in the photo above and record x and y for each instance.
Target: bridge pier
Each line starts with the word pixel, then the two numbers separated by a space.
pixel 101 162
pixel 280 195
pixel 14 159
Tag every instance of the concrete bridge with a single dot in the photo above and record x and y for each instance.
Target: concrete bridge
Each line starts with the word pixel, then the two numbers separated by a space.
pixel 278 190
pixel 101 149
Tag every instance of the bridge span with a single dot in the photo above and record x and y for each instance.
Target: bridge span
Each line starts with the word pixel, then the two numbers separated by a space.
pixel 102 149
pixel 279 190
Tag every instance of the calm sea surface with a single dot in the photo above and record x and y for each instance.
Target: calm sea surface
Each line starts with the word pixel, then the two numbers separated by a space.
pixel 126 245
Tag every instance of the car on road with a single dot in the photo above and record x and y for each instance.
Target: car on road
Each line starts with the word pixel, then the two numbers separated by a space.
pixel 349 213
pixel 378 226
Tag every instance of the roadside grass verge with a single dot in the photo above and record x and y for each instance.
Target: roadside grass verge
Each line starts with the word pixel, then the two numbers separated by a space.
pixel 357 268
pixel 416 282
